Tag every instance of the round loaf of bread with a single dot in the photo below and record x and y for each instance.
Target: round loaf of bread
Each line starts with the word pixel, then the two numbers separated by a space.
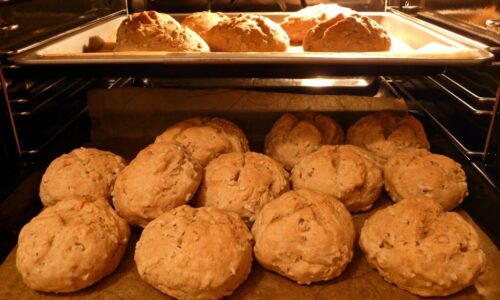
pixel 71 245
pixel 421 249
pixel 300 22
pixel 385 134
pixel 195 253
pixel 419 173
pixel 153 31
pixel 294 136
pixel 206 138
pixel 242 183
pixel 161 177
pixel 354 33
pixel 82 172
pixel 305 236
pixel 202 22
pixel 346 172
pixel 247 33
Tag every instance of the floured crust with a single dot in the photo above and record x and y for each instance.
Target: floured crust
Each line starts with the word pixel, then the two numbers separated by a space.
pixel 247 33
pixel 419 173
pixel 353 33
pixel 71 245
pixel 305 236
pixel 242 183
pixel 206 138
pixel 161 177
pixel 346 172
pixel 202 22
pixel 386 134
pixel 82 172
pixel 300 22
pixel 195 253
pixel 421 249
pixel 294 136
pixel 153 31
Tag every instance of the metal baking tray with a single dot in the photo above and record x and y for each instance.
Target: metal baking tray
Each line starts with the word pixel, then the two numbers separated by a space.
pixel 414 44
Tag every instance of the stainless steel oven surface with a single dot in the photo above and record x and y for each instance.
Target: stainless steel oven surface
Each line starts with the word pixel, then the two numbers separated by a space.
pixel 57 96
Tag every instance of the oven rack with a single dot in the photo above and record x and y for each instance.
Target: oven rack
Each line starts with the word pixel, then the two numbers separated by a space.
pixel 59 100
pixel 491 115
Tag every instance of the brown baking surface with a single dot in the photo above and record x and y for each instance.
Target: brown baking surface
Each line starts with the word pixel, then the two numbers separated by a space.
pixel 358 281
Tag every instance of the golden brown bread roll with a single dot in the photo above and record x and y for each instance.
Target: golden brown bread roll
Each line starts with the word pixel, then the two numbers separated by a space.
pixel 202 22
pixel 82 172
pixel 300 22
pixel 305 236
pixel 161 177
pixel 419 173
pixel 346 172
pixel 386 133
pixel 206 138
pixel 247 33
pixel 153 31
pixel 421 249
pixel 294 136
pixel 195 253
pixel 242 183
pixel 353 33
pixel 71 245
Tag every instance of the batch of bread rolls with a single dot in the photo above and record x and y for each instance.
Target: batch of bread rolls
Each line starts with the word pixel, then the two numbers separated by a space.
pixel 318 28
pixel 208 205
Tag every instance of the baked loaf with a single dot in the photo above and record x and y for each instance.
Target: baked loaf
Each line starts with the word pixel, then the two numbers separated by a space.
pixel 247 33
pixel 71 245
pixel 242 183
pixel 421 249
pixel 419 173
pixel 354 33
pixel 82 172
pixel 152 31
pixel 195 253
pixel 346 172
pixel 206 138
pixel 386 134
pixel 300 22
pixel 294 136
pixel 201 22
pixel 305 236
pixel 161 177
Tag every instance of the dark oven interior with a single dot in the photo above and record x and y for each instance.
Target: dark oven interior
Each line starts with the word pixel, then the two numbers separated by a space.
pixel 44 111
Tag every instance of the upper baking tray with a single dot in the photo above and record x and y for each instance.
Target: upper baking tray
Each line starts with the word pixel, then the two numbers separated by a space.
pixel 414 44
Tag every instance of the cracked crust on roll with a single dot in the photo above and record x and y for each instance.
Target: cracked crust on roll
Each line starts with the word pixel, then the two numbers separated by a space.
pixel 420 173
pixel 82 172
pixel 71 245
pixel 346 172
pixel 195 253
pixel 294 136
pixel 206 138
pixel 386 134
pixel 421 249
pixel 354 33
pixel 153 31
pixel 247 33
pixel 202 22
pixel 305 236
pixel 300 22
pixel 242 183
pixel 161 177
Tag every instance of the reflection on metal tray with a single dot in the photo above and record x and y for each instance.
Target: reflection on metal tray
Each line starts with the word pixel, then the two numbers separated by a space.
pixel 413 44
pixel 338 85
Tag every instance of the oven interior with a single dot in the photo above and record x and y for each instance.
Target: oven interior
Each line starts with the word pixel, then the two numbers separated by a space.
pixel 44 113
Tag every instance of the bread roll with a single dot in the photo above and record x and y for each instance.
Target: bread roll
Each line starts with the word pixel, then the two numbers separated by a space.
pixel 421 249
